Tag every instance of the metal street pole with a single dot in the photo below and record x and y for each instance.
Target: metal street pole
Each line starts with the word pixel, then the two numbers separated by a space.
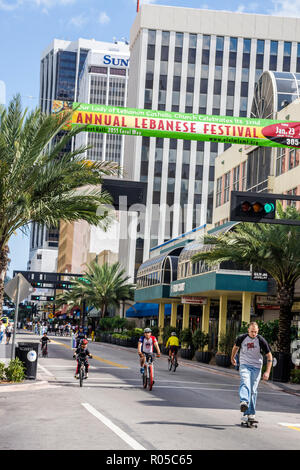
pixel 16 319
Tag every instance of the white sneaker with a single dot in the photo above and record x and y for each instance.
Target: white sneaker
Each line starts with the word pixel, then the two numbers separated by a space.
pixel 244 418
pixel 251 417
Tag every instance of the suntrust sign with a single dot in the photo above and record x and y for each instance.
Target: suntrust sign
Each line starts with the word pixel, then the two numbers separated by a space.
pixel 116 61
pixel 150 123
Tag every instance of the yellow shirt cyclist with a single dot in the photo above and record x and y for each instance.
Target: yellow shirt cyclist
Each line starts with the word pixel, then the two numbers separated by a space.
pixel 173 345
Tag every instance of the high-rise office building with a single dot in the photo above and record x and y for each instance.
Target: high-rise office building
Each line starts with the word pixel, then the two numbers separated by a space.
pixel 103 80
pixel 63 64
pixel 202 62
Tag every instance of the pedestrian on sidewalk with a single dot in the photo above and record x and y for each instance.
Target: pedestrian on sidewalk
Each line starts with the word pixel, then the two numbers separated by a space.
pixel 251 346
pixel 8 332
pixel 2 329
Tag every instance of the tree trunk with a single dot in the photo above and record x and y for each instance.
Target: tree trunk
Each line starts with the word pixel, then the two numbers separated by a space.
pixel 4 260
pixel 286 298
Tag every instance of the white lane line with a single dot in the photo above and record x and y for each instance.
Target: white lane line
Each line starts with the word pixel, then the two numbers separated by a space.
pixel 294 426
pixel 47 372
pixel 125 437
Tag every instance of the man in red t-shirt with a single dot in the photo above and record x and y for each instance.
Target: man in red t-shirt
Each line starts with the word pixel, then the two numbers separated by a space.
pixel 145 346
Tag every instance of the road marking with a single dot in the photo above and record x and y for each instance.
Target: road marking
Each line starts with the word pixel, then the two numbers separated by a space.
pixel 125 437
pixel 100 359
pixel 296 426
pixel 47 372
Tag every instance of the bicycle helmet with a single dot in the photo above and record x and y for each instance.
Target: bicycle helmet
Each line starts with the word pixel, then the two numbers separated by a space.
pixel 173 333
pixel 84 341
pixel 147 330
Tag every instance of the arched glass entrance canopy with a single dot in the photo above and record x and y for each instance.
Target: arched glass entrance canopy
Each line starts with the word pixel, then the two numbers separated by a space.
pixel 159 270
pixel 187 269
pixel 274 91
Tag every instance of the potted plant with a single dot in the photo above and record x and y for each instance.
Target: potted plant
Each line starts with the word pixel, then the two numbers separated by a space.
pixel 200 340
pixel 186 339
pixel 225 345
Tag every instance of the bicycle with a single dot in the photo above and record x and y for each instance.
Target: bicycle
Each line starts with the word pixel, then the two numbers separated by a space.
pixel 172 362
pixel 81 370
pixel 148 375
pixel 45 351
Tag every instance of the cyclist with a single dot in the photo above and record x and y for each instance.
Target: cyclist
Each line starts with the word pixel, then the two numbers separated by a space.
pixel 44 340
pixel 80 336
pixel 82 353
pixel 145 345
pixel 173 345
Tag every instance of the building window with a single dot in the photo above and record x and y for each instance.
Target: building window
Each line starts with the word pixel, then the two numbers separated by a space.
pixel 236 178
pixel 244 177
pixel 219 192
pixel 226 186
pixel 280 161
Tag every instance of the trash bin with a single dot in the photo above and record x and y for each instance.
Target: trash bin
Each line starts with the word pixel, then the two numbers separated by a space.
pixel 28 354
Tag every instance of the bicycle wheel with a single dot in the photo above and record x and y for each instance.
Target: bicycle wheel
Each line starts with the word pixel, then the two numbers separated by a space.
pixel 81 376
pixel 151 374
pixel 169 363
pixel 174 364
pixel 145 379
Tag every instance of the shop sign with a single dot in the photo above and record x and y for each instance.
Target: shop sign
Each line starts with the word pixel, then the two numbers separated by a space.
pixel 267 302
pixel 175 288
pixel 189 299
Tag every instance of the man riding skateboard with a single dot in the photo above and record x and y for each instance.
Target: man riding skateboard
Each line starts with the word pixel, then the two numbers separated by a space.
pixel 251 346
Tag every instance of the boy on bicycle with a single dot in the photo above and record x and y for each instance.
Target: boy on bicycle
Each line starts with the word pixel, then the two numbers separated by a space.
pixel 82 353
pixel 44 340
pixel 173 345
pixel 145 346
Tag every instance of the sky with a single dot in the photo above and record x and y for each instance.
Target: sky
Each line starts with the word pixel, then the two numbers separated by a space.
pixel 27 27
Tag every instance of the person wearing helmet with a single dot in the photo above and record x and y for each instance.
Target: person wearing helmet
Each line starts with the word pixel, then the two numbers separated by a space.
pixel 145 345
pixel 82 353
pixel 173 345
pixel 80 336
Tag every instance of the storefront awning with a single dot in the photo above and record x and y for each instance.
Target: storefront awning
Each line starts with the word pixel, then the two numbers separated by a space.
pixel 140 310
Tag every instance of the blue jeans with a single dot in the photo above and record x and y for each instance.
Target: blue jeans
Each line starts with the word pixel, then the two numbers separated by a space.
pixel 250 377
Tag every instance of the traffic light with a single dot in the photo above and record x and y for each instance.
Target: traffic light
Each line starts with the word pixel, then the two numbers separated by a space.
pixel 36 284
pixel 252 207
pixel 35 297
pixel 50 298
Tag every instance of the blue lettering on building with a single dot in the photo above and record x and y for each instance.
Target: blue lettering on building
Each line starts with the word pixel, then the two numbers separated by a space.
pixel 109 60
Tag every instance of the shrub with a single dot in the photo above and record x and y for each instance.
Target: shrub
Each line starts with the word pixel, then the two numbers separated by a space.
pixel 2 371
pixel 186 337
pixel 295 376
pixel 15 372
pixel 226 342
pixel 200 339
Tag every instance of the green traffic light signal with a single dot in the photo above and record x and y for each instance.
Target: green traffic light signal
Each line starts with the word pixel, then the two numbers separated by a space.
pixel 269 207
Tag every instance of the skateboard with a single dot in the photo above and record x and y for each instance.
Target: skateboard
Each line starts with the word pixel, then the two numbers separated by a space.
pixel 251 423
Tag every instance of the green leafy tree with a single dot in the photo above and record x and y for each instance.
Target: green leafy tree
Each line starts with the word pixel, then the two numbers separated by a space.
pixel 101 287
pixel 41 183
pixel 274 248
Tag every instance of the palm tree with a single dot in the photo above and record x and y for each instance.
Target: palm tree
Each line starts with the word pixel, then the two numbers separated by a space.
pixel 272 247
pixel 102 287
pixel 41 183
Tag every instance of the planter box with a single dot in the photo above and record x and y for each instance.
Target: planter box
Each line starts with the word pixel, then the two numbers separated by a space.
pixel 203 356
pixel 223 360
pixel 282 371
pixel 187 353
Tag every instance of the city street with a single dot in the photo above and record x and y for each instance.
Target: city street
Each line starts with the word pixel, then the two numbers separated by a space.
pixel 195 408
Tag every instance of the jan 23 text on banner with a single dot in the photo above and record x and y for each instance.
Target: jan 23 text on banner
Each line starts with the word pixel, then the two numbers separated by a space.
pixel 151 123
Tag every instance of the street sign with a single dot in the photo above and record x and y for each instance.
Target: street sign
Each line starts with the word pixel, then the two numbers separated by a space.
pixel 10 288
pixel 259 276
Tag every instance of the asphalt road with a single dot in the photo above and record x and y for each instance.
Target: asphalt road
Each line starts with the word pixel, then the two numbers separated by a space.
pixel 193 409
